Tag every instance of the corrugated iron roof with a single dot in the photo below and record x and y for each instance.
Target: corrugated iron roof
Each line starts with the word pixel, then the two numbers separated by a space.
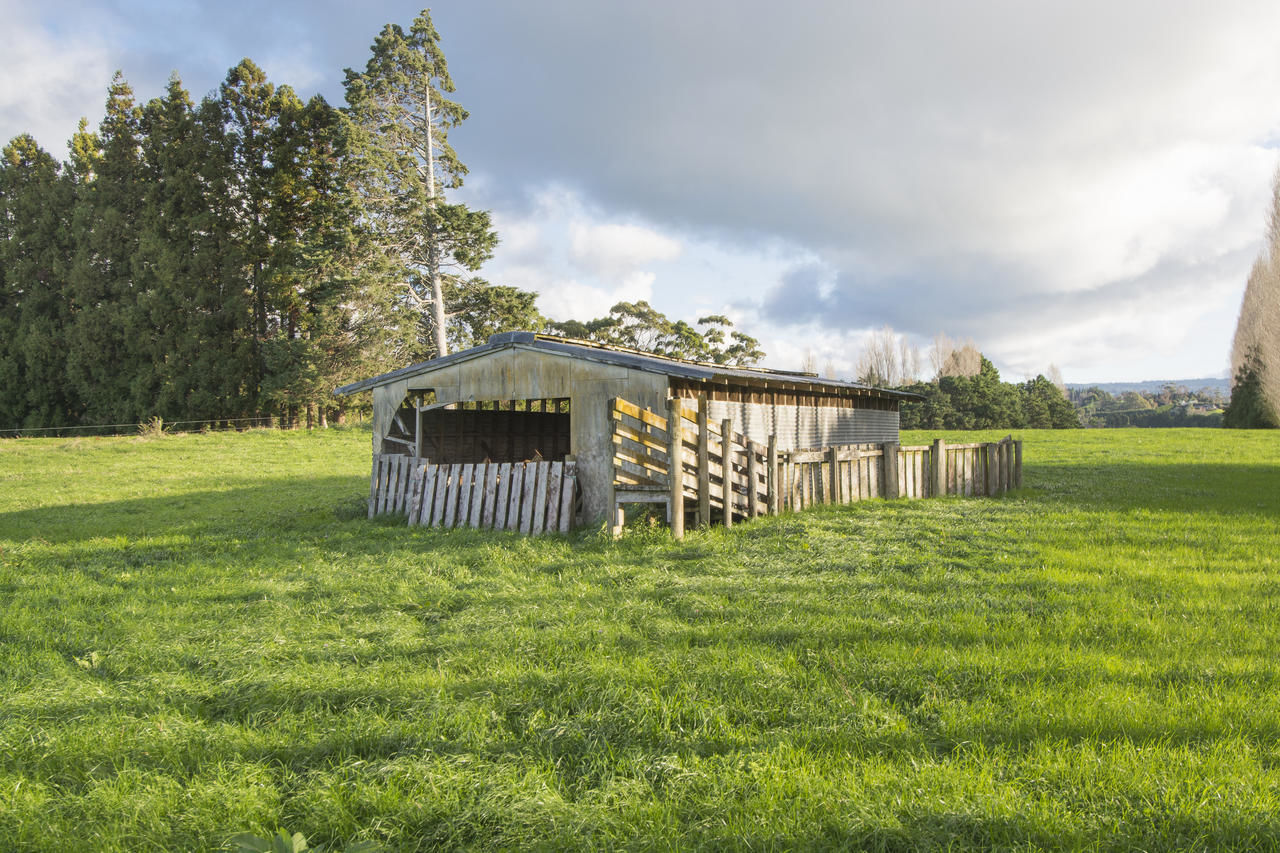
pixel 624 357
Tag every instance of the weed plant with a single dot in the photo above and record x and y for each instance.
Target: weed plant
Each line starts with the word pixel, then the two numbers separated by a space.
pixel 203 636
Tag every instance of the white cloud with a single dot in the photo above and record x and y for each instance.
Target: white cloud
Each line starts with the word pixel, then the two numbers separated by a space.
pixel 49 81
pixel 610 249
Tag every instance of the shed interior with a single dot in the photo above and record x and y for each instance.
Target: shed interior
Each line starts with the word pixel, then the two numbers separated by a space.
pixel 481 430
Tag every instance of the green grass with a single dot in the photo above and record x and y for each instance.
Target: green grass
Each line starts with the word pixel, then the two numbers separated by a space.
pixel 199 638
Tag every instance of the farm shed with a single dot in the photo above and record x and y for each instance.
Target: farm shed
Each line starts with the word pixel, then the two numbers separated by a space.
pixel 530 396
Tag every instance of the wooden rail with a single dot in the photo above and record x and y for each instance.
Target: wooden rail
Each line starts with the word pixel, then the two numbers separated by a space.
pixel 724 473
pixel 531 497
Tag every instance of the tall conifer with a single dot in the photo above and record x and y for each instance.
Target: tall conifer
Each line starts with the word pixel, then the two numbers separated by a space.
pixel 399 105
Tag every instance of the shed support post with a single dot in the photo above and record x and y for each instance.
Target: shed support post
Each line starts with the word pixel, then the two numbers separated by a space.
pixel 675 468
pixel 417 426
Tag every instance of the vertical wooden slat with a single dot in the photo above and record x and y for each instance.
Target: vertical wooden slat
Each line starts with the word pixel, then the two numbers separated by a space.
pixel 454 506
pixel 938 458
pixel 443 473
pixel 554 475
pixel 477 493
pixel 833 462
pixel 402 489
pixel 415 490
pixel 490 495
pixel 515 496
pixel 375 472
pixel 753 483
pixel 428 494
pixel 986 469
pixel 392 482
pixel 384 506
pixel 540 498
pixel 527 490
pixel 567 487
pixel 384 483
pixel 675 469
pixel 500 501
pixel 465 483
pixel 704 464
pixel 726 462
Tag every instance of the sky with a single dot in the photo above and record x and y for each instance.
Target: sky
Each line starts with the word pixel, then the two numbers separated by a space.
pixel 1084 184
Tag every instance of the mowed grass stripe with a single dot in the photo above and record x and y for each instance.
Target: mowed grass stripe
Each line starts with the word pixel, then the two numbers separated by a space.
pixel 202 636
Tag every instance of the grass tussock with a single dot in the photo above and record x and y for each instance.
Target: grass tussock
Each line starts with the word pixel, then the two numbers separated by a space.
pixel 203 636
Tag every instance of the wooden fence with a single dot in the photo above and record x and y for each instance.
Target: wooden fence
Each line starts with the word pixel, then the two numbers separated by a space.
pixel 726 472
pixel 531 497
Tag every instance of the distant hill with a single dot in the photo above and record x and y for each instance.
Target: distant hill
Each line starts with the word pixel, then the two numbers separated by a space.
pixel 1219 383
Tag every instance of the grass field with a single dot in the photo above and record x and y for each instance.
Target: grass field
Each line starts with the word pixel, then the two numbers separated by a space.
pixel 199 636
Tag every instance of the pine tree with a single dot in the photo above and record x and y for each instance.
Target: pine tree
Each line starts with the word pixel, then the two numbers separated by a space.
pixel 399 106
pixel 106 344
pixel 35 205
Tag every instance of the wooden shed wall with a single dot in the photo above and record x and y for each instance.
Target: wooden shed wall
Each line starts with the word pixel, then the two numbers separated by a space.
pixel 522 373
pixel 803 427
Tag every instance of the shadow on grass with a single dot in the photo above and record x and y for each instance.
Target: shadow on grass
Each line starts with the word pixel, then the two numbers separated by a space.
pixel 241 509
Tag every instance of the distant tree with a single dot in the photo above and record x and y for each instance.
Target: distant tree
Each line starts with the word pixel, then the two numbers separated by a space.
pixel 1249 407
pixel 402 117
pixel 1045 407
pixel 638 325
pixel 952 358
pixel 887 359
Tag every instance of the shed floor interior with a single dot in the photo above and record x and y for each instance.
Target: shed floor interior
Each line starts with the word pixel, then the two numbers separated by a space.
pixel 485 431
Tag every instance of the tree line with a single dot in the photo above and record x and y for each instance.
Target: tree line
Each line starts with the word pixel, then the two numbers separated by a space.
pixel 244 255
pixel 965 391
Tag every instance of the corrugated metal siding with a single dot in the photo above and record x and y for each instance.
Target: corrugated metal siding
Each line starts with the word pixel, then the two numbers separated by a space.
pixel 807 426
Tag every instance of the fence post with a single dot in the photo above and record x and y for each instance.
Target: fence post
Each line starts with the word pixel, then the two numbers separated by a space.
pixel 726 464
pixel 833 493
pixel 889 469
pixel 753 482
pixel 675 468
pixel 938 467
pixel 772 474
pixel 988 468
pixel 704 464
pixel 1017 464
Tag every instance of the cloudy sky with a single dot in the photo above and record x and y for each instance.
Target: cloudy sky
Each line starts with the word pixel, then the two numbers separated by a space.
pixel 1079 183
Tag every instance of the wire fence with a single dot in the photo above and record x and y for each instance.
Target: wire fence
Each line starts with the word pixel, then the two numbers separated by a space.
pixel 157 425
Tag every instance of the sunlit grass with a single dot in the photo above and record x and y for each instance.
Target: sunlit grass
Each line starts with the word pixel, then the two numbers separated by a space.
pixel 199 637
